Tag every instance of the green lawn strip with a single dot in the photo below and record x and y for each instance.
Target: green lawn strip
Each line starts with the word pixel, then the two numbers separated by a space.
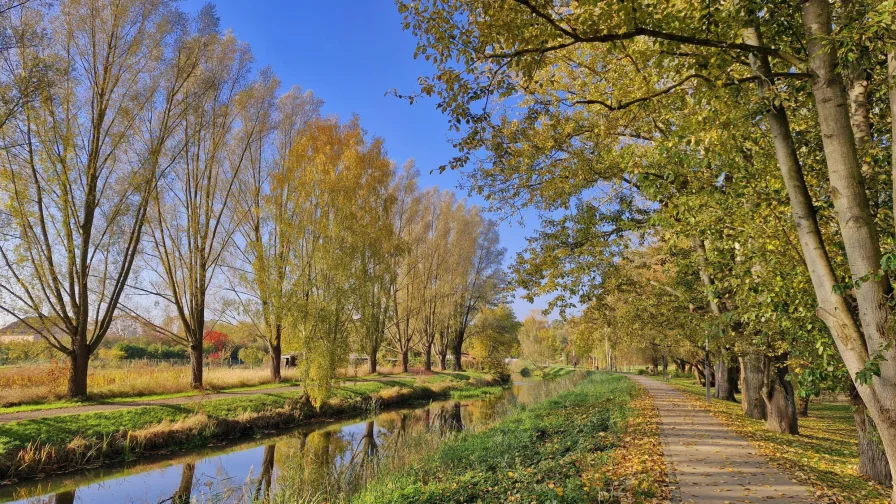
pixel 549 372
pixel 550 452
pixel 127 399
pixel 476 393
pixel 823 456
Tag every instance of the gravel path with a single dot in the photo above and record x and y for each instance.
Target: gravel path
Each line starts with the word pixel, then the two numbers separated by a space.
pixel 91 408
pixel 710 463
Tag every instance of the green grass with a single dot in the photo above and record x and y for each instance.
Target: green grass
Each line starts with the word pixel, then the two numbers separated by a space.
pixel 551 452
pixel 476 393
pixel 554 372
pixel 123 400
pixel 824 455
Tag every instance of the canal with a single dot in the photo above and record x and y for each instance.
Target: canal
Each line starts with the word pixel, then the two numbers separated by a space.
pixel 316 463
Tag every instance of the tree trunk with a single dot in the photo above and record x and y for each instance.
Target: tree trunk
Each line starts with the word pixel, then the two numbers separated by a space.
pixel 371 362
pixel 457 350
pixel 872 458
pixel 777 391
pixel 856 225
pixel 803 409
pixel 443 361
pixel 726 380
pixel 373 355
pixel 705 372
pixel 751 385
pixel 276 356
pixel 77 373
pixel 427 357
pixel 404 360
pixel 196 366
pixel 891 83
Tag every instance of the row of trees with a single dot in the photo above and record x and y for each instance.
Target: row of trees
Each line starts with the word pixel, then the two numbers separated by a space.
pixel 714 178
pixel 149 169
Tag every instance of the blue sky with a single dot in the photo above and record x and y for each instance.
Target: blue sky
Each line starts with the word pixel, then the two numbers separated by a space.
pixel 351 53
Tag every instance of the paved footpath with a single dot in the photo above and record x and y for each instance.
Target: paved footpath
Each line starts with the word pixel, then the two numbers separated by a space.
pixel 138 403
pixel 710 463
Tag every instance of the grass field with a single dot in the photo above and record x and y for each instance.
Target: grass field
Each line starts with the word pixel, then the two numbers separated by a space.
pixel 824 456
pixel 39 384
pixel 595 443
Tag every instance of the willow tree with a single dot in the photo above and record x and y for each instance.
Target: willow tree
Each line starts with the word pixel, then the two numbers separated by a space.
pixel 190 222
pixel 266 199
pixel 82 162
pixel 547 55
pixel 405 258
pixel 432 252
pixel 336 169
pixel 375 272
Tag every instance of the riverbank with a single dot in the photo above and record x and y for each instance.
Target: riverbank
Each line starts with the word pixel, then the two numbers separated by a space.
pixel 598 440
pixel 61 443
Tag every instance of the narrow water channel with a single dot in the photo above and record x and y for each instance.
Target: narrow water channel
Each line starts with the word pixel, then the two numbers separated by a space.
pixel 324 462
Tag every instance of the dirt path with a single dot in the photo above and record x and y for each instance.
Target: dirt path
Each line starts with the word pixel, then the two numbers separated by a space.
pixel 711 463
pixel 137 403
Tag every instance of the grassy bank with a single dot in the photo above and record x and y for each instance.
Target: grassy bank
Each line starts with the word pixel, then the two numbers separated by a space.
pixel 60 443
pixel 824 456
pixel 527 369
pixel 598 442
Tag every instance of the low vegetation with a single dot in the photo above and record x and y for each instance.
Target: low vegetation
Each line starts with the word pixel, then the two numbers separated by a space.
pixel 823 457
pixel 59 443
pixel 596 443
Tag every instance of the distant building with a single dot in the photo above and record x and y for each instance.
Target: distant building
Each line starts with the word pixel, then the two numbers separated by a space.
pixel 288 360
pixel 18 332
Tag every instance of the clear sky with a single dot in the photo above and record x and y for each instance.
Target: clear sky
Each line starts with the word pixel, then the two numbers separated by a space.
pixel 351 53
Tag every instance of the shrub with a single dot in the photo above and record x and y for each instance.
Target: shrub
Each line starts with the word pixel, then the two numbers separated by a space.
pixel 642 371
pixel 252 356
pixel 24 351
pixel 132 351
pixel 110 354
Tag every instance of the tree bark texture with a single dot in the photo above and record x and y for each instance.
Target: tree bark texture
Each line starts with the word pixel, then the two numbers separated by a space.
pixel 751 379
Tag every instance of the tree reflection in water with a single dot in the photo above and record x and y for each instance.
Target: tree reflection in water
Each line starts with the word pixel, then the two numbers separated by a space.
pixel 185 489
pixel 67 497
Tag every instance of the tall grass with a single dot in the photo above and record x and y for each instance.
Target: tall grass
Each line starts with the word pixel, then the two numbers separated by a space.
pixel 47 382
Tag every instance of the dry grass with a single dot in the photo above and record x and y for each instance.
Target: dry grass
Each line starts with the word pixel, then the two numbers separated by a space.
pixel 47 382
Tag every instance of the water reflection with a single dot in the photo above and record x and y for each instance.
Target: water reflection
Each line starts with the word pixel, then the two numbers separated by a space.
pixel 311 463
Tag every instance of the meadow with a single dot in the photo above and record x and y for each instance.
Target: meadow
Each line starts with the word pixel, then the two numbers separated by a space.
pixel 46 382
